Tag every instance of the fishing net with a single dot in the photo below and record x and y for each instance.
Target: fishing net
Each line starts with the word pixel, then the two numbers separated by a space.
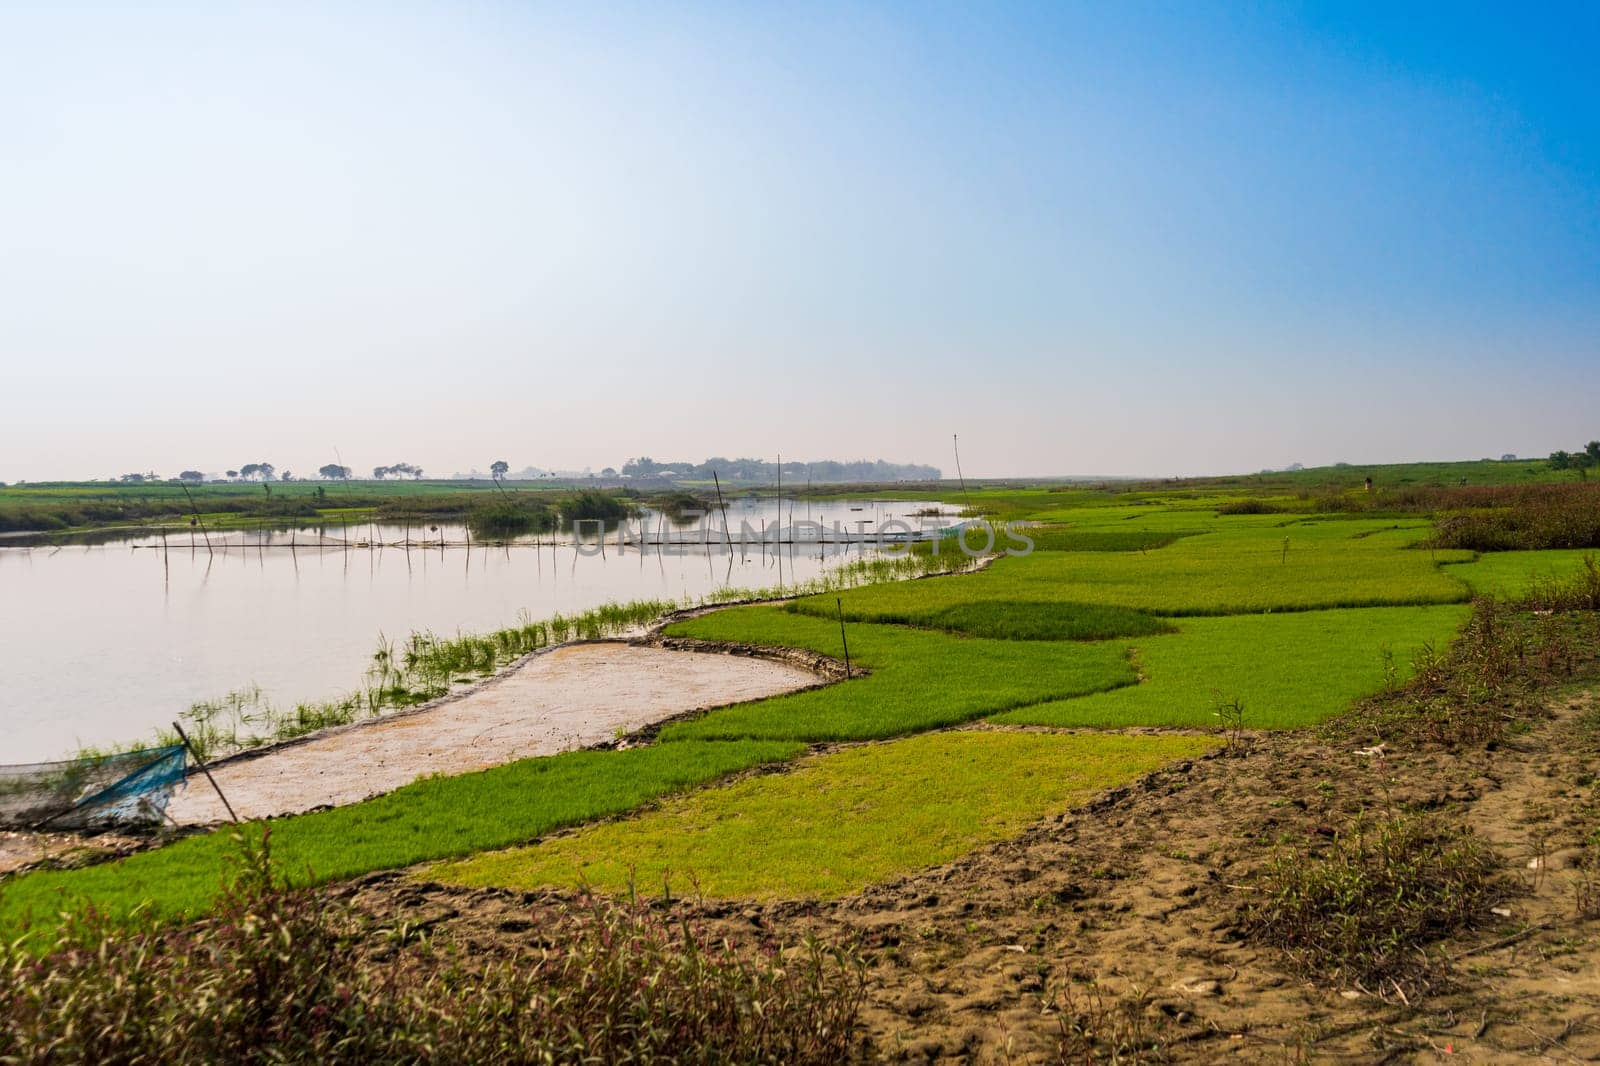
pixel 128 788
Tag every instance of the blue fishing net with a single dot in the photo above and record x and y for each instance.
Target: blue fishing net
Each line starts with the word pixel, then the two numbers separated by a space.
pixel 125 789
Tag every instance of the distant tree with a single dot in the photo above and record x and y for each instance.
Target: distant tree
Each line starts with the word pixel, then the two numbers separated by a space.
pixel 232 474
pixel 191 475
pixel 399 470
pixel 499 469
pixel 132 478
pixel 1560 460
pixel 286 476
pixel 1592 450
pixel 334 472
pixel 256 471
pixel 609 471
pixel 380 472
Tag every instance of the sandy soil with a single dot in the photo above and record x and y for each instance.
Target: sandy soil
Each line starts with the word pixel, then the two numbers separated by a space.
pixel 21 848
pixel 572 697
pixel 1140 893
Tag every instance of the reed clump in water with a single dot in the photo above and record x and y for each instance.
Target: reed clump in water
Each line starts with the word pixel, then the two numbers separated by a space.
pixel 504 519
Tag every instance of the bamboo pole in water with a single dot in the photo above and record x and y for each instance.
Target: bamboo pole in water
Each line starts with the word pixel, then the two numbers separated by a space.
pixel 723 504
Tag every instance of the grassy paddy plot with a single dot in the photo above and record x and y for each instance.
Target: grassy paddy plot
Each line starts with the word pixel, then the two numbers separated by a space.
pixel 435 818
pixel 920 680
pixel 1238 569
pixel 837 822
pixel 1512 574
pixel 1289 670
pixel 1049 539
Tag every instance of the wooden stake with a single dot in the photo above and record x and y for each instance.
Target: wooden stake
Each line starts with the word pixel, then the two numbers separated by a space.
pixel 722 504
pixel 839 603
pixel 205 770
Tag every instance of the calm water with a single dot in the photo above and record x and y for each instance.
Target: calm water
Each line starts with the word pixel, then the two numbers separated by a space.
pixel 107 643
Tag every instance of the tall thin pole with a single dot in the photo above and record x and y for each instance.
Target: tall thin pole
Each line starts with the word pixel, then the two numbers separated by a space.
pixel 777 545
pixel 956 443
pixel 198 520
pixel 205 770
pixel 722 504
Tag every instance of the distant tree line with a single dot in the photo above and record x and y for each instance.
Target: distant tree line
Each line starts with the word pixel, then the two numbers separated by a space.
pixel 827 471
pixel 730 470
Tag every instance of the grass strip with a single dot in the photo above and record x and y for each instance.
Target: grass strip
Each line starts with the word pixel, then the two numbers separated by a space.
pixel 433 818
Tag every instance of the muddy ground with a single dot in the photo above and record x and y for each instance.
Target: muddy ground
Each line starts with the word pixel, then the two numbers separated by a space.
pixel 1124 915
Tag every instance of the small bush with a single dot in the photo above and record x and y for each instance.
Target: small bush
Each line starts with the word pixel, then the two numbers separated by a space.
pixel 288 976
pixel 1361 908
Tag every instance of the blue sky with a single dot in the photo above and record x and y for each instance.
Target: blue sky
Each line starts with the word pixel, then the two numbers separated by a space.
pixel 1116 238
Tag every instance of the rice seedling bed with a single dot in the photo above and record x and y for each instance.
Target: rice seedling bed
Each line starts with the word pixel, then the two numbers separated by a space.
pixel 919 680
pixel 837 822
pixel 1285 670
pixel 1239 569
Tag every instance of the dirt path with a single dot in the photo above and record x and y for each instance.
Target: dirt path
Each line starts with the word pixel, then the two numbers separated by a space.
pixel 1125 912
pixel 572 697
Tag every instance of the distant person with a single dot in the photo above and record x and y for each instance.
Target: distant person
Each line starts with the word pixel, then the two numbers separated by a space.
pixel 1369 483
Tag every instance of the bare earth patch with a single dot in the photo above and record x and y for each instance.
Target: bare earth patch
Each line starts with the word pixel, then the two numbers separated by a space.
pixel 573 697
pixel 21 848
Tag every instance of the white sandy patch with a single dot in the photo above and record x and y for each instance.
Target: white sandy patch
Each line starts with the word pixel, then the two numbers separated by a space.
pixel 569 698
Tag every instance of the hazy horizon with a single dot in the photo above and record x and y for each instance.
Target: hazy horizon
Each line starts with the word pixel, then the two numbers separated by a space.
pixel 1139 239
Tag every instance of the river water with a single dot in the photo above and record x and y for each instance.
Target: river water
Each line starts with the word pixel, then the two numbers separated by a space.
pixel 107 643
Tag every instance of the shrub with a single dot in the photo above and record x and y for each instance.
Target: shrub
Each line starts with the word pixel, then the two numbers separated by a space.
pixel 282 975
pixel 1523 518
pixel 1249 506
pixel 1362 907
